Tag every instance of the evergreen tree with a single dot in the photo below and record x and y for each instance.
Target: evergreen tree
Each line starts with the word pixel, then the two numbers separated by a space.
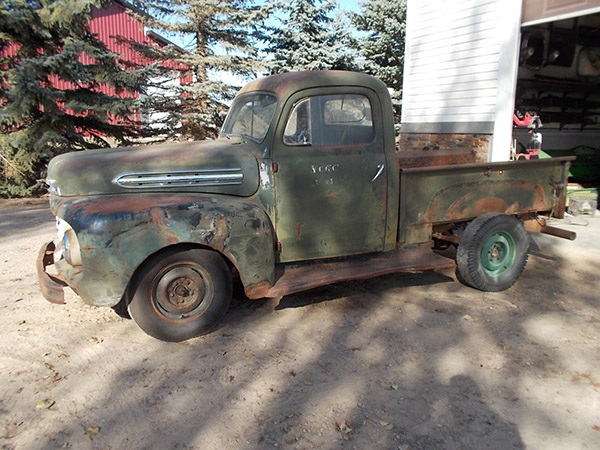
pixel 220 35
pixel 308 38
pixel 44 44
pixel 384 22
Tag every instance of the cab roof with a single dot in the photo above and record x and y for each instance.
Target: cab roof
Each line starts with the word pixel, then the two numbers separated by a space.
pixel 285 84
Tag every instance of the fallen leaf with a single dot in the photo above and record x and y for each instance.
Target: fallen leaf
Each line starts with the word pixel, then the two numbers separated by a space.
pixel 394 387
pixel 467 317
pixel 92 431
pixel 307 383
pixel 249 355
pixel 95 340
pixel 413 358
pixel 386 425
pixel 343 427
pixel 45 404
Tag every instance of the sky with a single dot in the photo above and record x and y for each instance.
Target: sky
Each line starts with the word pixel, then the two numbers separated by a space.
pixel 350 5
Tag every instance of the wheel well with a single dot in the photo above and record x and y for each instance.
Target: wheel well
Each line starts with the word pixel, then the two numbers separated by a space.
pixel 165 251
pixel 441 231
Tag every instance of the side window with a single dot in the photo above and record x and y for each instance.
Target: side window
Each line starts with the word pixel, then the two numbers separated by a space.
pixel 297 130
pixel 330 120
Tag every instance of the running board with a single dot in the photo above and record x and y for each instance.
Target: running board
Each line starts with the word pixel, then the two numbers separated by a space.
pixel 299 277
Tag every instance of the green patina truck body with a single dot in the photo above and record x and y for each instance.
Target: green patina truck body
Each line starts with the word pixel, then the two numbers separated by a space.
pixel 304 187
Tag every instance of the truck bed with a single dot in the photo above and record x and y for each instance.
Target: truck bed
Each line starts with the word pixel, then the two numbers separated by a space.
pixel 431 196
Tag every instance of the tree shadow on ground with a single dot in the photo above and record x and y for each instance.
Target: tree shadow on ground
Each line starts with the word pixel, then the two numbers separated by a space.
pixel 26 219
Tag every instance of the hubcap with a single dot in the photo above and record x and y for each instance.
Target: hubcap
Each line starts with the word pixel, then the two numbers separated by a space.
pixel 181 292
pixel 498 254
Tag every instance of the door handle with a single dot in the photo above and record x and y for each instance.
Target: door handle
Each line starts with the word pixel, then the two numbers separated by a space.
pixel 380 168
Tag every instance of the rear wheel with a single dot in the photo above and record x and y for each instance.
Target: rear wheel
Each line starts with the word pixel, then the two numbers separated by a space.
pixel 492 253
pixel 181 295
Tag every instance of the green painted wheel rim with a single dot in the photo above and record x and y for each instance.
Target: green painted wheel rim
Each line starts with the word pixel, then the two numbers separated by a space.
pixel 498 254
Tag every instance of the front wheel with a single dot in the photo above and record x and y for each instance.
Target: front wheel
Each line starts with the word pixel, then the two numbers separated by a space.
pixel 492 252
pixel 181 295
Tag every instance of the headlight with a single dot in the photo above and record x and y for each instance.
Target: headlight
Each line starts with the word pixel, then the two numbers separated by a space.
pixel 53 187
pixel 68 245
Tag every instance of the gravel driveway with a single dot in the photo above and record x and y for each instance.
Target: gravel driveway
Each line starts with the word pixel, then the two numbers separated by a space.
pixel 408 361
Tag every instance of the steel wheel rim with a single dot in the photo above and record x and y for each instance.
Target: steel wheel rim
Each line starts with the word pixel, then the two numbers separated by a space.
pixel 182 291
pixel 498 254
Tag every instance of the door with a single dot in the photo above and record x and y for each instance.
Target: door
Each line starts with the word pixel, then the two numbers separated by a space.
pixel 331 178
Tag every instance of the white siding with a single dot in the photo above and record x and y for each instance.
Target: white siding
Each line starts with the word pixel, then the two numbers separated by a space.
pixel 460 68
pixel 540 11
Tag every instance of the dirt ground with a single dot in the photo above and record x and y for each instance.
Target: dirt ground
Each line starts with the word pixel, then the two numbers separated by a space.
pixel 408 361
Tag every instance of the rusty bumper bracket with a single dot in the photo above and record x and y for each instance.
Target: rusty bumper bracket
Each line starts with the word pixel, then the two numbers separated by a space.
pixel 51 285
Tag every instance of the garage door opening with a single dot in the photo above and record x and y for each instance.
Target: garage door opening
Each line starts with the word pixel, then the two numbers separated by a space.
pixel 559 81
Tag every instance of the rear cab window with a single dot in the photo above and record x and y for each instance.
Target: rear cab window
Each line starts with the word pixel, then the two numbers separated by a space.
pixel 330 120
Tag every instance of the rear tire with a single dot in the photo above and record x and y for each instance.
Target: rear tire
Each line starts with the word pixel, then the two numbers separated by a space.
pixel 181 295
pixel 492 252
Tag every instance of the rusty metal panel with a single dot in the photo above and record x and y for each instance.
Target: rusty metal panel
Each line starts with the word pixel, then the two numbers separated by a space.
pixel 225 167
pixel 437 195
pixel 331 197
pixel 50 285
pixel 117 233
pixel 300 277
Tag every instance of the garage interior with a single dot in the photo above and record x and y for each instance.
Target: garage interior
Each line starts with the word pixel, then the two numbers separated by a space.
pixel 559 81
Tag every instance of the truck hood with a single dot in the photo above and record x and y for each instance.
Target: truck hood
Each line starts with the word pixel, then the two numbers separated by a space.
pixel 224 167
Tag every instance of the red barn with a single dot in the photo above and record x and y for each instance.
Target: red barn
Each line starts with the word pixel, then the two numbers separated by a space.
pixel 115 25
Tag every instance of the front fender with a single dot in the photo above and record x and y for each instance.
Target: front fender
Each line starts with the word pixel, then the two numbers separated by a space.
pixel 118 233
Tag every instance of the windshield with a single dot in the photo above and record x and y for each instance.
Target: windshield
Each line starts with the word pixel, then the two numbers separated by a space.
pixel 250 116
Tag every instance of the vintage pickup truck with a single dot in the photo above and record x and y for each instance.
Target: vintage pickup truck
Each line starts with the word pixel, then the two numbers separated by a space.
pixel 304 187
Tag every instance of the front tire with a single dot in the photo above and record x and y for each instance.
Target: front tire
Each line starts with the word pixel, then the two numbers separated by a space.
pixel 181 295
pixel 492 252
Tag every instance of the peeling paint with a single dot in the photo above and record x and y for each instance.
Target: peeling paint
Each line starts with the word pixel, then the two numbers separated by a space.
pixel 115 241
pixel 329 194
pixel 299 230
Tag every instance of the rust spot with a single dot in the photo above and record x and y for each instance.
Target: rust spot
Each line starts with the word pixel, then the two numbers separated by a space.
pixel 502 197
pixel 136 204
pixel 490 204
pixel 258 290
pixel 221 234
pixel 302 277
pixel 158 218
pixel 51 285
pixel 299 230
pixel 539 202
pixel 408 160
pixel 332 194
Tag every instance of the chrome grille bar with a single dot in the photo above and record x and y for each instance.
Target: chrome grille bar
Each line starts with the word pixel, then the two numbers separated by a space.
pixel 187 178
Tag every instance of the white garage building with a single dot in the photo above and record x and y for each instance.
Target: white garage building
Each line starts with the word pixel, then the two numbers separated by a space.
pixel 470 63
